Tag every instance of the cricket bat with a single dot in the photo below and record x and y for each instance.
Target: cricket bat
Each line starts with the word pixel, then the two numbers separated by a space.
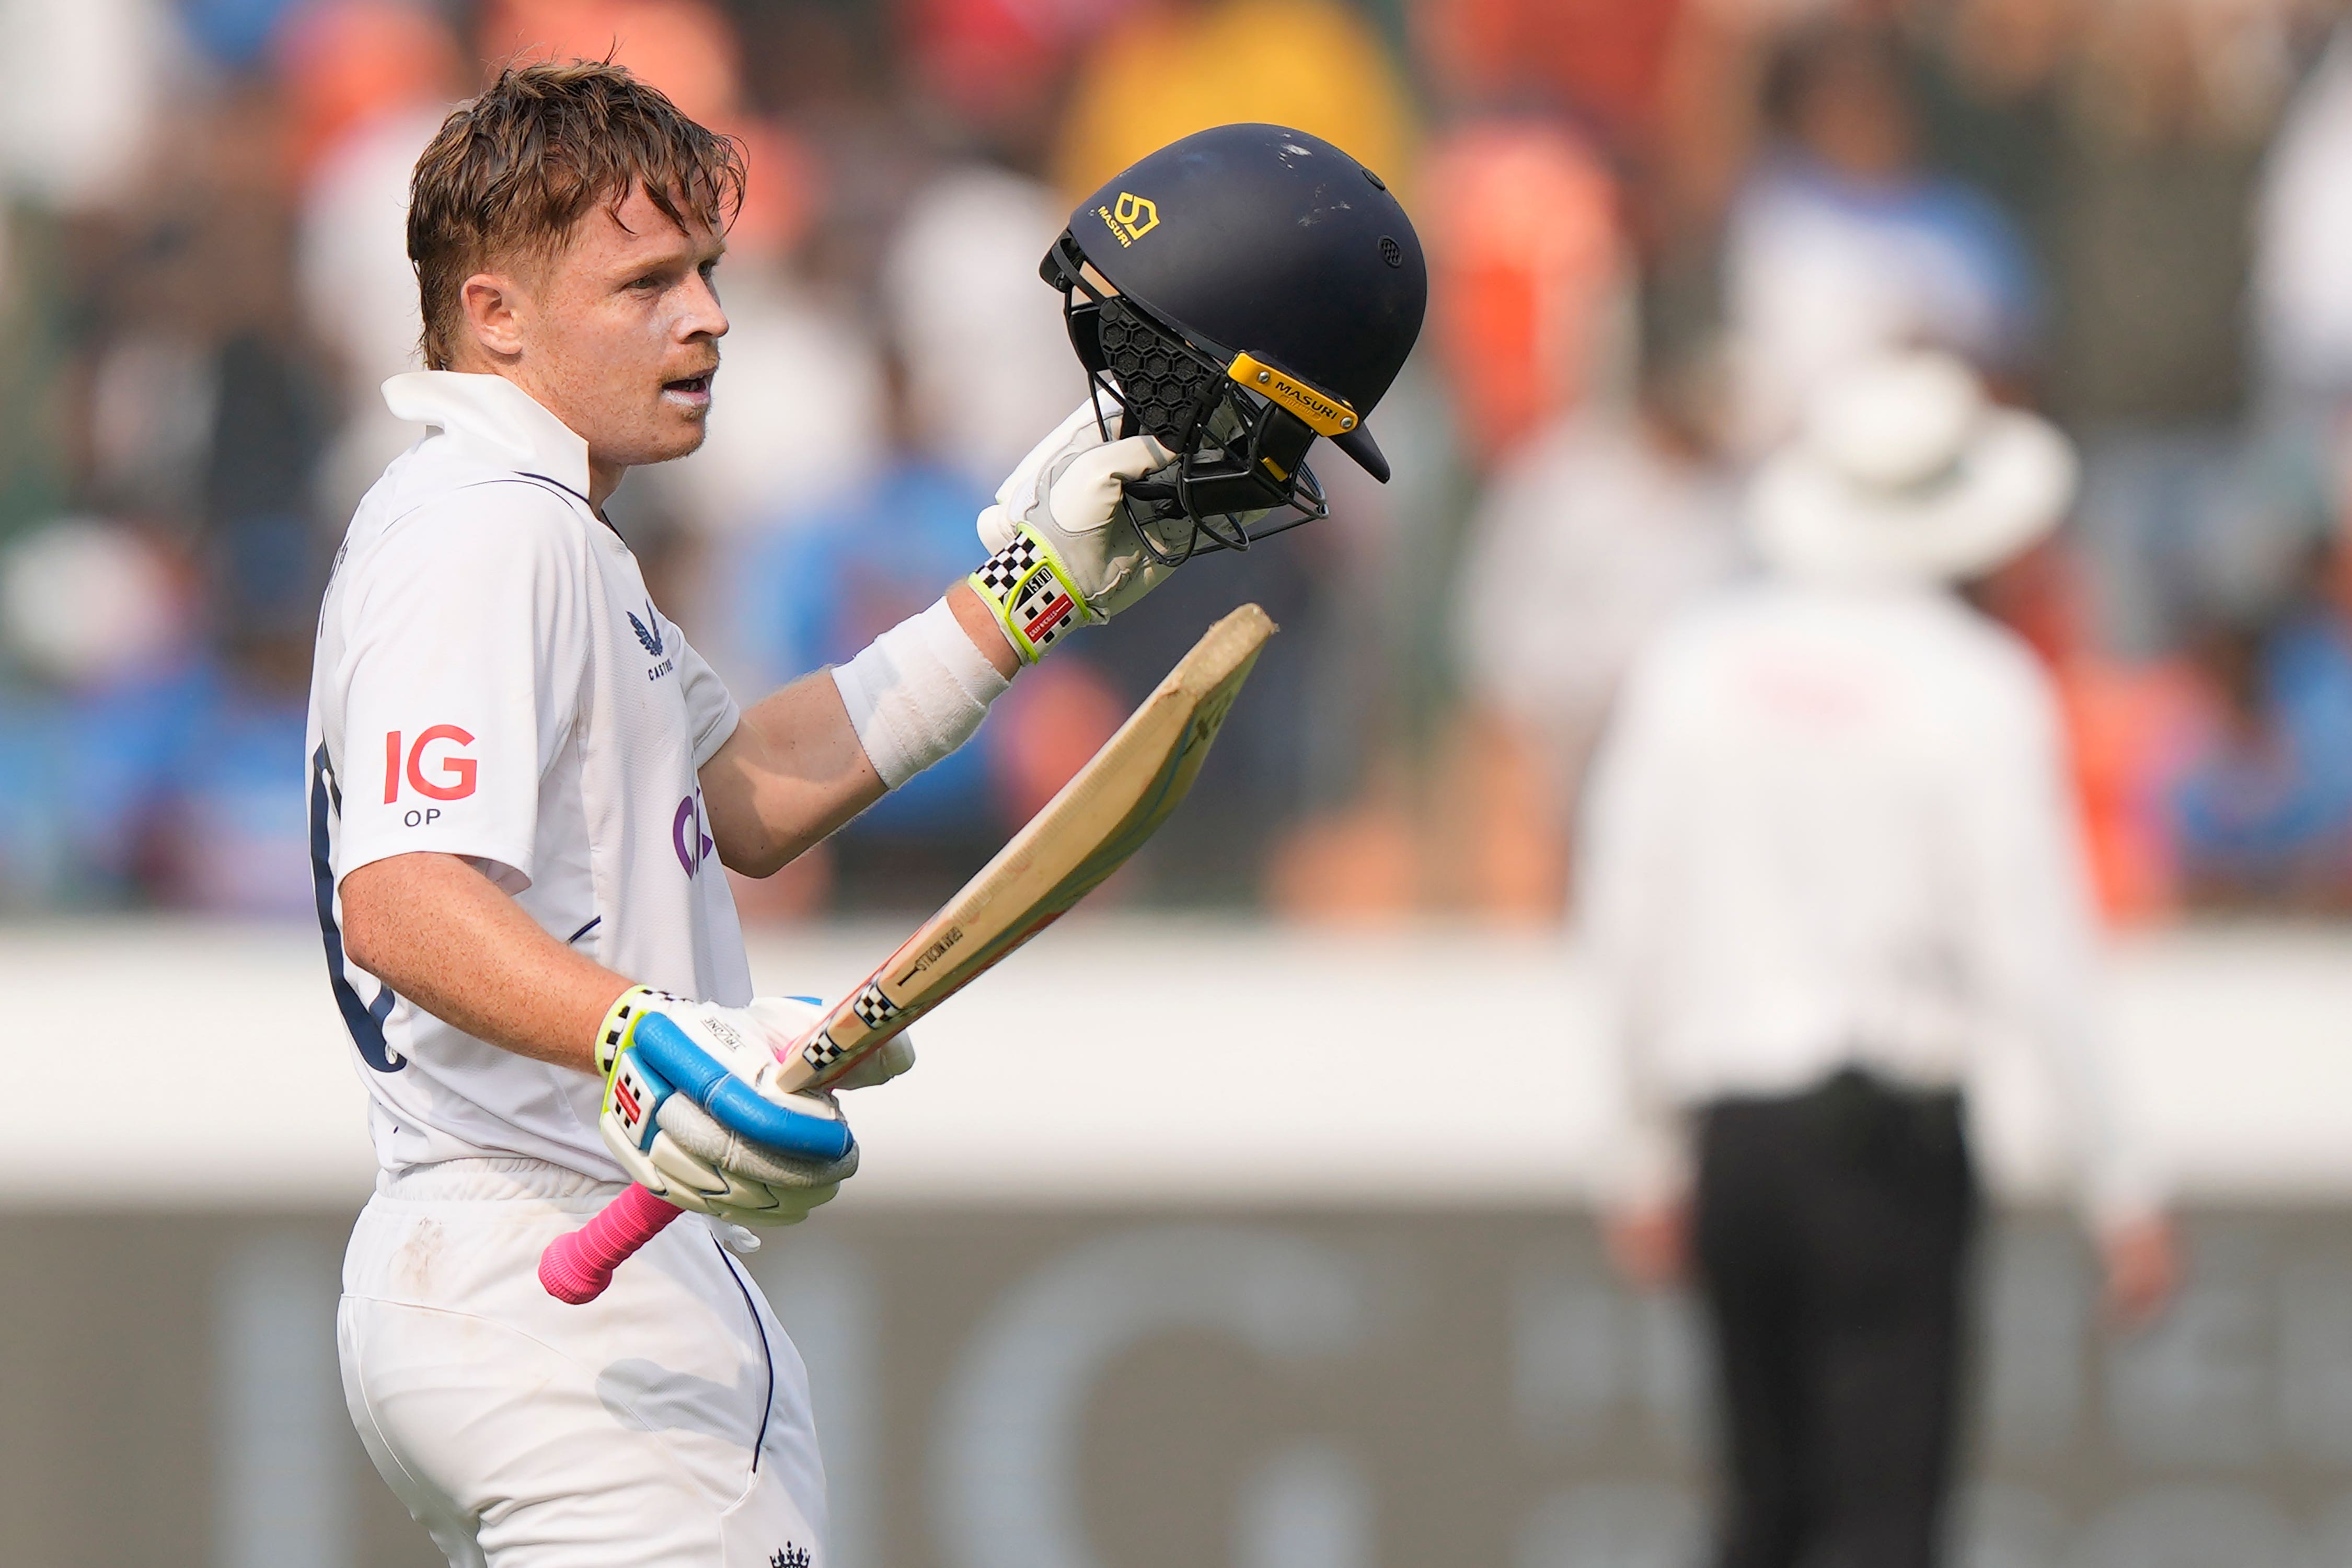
pixel 1088 831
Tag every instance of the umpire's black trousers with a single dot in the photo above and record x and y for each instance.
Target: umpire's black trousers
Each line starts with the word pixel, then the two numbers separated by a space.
pixel 1830 1231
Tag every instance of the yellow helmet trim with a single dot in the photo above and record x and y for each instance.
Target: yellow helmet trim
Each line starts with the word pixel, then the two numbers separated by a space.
pixel 1325 415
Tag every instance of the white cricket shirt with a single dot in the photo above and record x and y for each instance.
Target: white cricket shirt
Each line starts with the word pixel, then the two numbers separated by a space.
pixel 1832 824
pixel 492 680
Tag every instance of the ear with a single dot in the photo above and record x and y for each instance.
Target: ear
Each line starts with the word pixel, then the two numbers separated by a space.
pixel 496 310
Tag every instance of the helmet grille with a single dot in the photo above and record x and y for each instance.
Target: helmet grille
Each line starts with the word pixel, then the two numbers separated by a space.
pixel 1161 382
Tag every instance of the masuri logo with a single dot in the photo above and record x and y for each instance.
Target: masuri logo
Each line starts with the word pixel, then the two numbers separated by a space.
pixel 1131 219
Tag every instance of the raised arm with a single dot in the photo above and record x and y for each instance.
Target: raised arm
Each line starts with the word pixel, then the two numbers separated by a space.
pixel 795 769
pixel 807 759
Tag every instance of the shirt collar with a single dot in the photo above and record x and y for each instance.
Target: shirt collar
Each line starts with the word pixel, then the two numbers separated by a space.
pixel 496 418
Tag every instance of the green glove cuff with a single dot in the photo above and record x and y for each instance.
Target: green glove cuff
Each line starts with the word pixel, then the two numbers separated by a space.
pixel 1025 584
pixel 612 1034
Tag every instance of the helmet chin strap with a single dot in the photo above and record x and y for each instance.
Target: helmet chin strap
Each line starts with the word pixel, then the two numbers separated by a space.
pixel 1171 501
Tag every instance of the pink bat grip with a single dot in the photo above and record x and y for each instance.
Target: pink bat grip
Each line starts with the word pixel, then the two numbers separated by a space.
pixel 577 1268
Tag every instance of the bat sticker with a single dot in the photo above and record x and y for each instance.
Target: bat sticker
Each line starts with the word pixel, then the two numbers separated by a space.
pixel 873 1006
pixel 933 954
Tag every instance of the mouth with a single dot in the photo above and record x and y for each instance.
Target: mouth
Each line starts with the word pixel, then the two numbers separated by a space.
pixel 689 390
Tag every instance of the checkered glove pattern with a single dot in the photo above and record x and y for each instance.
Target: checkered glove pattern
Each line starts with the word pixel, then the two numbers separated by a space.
pixel 1031 594
pixel 1064 551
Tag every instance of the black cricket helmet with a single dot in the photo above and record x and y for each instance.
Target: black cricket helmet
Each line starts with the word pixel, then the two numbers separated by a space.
pixel 1237 294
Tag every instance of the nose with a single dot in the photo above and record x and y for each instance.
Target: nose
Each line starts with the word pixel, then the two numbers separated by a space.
pixel 703 315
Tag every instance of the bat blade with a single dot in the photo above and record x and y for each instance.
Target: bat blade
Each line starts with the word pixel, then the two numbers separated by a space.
pixel 1088 831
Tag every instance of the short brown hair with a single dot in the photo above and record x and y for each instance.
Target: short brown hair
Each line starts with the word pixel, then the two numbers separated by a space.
pixel 513 171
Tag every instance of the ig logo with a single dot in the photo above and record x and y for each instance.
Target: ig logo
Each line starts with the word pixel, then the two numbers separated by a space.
pixel 689 834
pixel 451 775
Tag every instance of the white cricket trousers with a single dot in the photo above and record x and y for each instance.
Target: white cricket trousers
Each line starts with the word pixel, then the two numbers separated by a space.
pixel 665 1424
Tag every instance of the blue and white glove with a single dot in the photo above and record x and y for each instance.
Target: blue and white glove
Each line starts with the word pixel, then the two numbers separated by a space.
pixel 693 1112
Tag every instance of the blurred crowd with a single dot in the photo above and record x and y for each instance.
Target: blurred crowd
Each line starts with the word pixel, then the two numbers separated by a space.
pixel 1655 226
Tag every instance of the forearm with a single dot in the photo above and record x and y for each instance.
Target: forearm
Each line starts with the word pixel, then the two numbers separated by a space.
pixel 809 758
pixel 443 936
pixel 795 769
pixel 978 623
pixel 790 774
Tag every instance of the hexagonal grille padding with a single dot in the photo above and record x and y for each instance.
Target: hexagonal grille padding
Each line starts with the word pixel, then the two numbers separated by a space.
pixel 1167 388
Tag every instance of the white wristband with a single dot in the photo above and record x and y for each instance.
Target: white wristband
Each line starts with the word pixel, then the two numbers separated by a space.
pixel 917 694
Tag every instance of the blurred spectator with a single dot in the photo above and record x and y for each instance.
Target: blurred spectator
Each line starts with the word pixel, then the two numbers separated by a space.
pixel 347 64
pixel 1590 537
pixel 1601 62
pixel 1842 244
pixel 132 764
pixel 235 835
pixel 236 33
pixel 2173 107
pixel 196 349
pixel 97 626
pixel 179 170
pixel 84 90
pixel 2165 133
pixel 1259 777
pixel 194 346
pixel 1528 276
pixel 2303 297
pixel 996 67
pixel 374 80
pixel 238 839
pixel 2130 728
pixel 1828 862
pixel 1355 851
pixel 2262 810
pixel 1530 279
pixel 1989 79
pixel 1173 67
pixel 85 87
pixel 990 367
pixel 690 49
pixel 686 48
pixel 89 604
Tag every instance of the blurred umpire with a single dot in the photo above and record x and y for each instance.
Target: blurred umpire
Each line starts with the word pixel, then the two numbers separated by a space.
pixel 1830 857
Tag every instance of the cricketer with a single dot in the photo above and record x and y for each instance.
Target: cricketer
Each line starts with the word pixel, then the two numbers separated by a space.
pixel 524 781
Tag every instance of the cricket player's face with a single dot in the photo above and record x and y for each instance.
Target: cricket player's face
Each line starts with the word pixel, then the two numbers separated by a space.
pixel 620 336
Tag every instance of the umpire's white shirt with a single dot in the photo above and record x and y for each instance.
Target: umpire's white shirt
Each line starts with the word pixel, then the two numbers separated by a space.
pixel 493 681
pixel 1831 823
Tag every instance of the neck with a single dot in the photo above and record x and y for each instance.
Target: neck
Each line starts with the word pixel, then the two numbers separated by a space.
pixel 604 478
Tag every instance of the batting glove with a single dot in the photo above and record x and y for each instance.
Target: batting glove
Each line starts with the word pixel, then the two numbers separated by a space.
pixel 693 1112
pixel 1064 551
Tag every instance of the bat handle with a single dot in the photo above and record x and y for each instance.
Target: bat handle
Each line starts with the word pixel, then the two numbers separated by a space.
pixel 577 1268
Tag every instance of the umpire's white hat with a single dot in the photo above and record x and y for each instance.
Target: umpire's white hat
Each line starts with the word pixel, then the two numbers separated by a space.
pixel 1902 468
